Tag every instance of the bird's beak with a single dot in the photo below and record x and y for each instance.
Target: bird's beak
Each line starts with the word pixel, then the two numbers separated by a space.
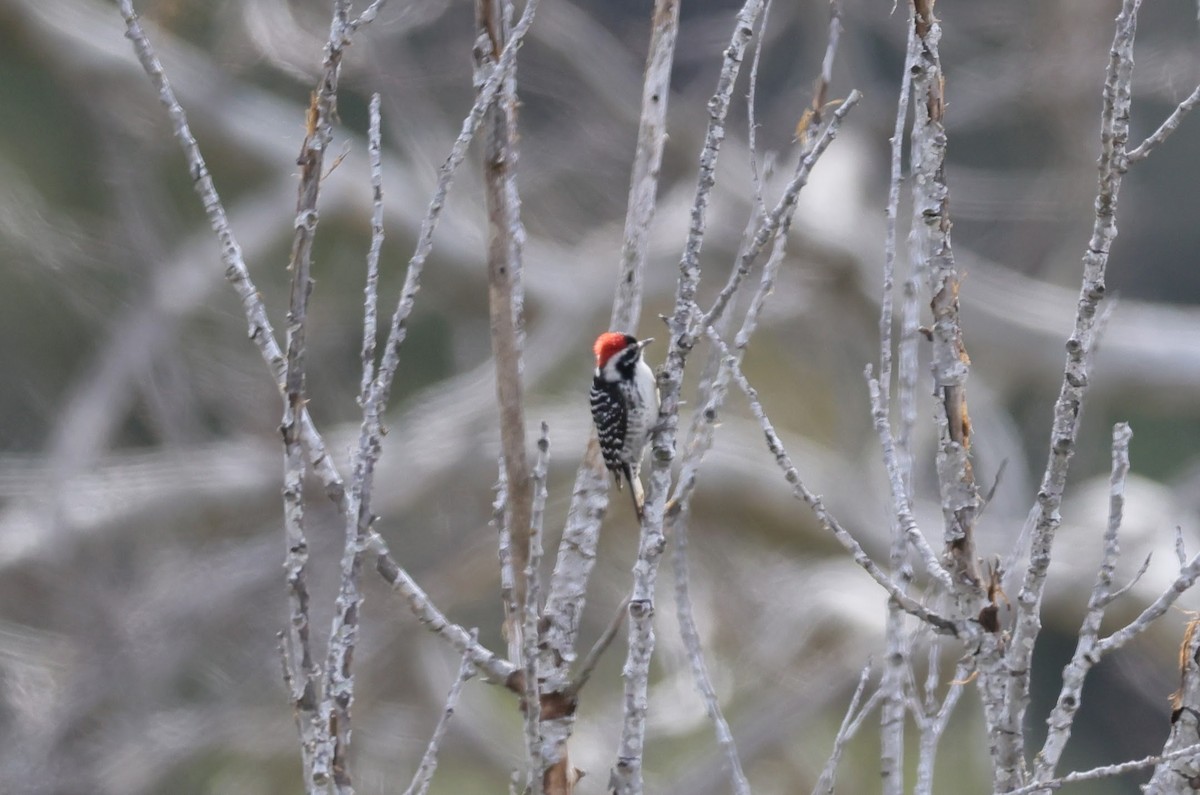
pixel 645 342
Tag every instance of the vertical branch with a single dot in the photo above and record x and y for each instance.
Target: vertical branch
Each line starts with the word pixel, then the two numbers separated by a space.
pixel 825 783
pixel 695 655
pixel 371 289
pixel 299 668
pixel 626 776
pixel 896 659
pixel 485 94
pixel 714 389
pixel 504 547
pixel 237 274
pixel 1114 135
pixel 589 501
pixel 934 257
pixel 533 709
pixel 647 160
pixel 338 686
pixel 429 760
pixel 1062 716
pixel 934 726
pixel 933 254
pixel 505 238
pixel 1185 721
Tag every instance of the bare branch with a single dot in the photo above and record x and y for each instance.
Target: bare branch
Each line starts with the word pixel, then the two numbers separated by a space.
pixel 1172 122
pixel 589 502
pixel 371 289
pixel 1157 609
pixel 484 96
pixel 784 208
pixel 891 213
pixel 338 688
pixel 626 778
pixel 533 710
pixel 933 256
pixel 365 18
pixel 505 242
pixel 1108 771
pixel 504 552
pixel 934 725
pixel 901 502
pixel 236 273
pixel 491 667
pixel 695 654
pixel 898 463
pixel 429 760
pixel 829 772
pixel 1185 720
pixel 961 629
pixel 702 432
pixel 1114 134
pixel 647 160
pixel 1062 717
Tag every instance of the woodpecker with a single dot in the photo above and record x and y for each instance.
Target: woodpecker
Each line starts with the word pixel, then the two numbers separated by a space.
pixel 624 407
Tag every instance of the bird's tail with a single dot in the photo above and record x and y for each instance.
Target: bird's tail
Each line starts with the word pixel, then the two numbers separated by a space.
pixel 639 496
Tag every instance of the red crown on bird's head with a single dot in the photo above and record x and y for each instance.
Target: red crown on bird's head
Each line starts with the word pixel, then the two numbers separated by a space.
pixel 609 343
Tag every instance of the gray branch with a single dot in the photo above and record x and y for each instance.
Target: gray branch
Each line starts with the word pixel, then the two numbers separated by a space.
pixel 1169 125
pixel 532 696
pixel 1114 134
pixel 1177 774
pixel 829 773
pixel 429 760
pixel 626 777
pixel 505 243
pixel 647 160
pixel 1086 655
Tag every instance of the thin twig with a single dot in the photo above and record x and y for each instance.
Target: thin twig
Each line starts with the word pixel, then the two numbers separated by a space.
pixel 695 655
pixel 484 96
pixel 592 658
pixel 756 176
pixel 1172 122
pixel 934 726
pixel 504 551
pixel 366 17
pixel 829 772
pixel 770 225
pixel 1107 771
pixel 701 436
pixel 429 760
pixel 898 466
pixel 491 666
pixel 1156 610
pixel 236 272
pixel 962 629
pixel 261 332
pixel 647 160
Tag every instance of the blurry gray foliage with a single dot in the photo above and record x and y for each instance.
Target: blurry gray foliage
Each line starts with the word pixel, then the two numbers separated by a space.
pixel 140 581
